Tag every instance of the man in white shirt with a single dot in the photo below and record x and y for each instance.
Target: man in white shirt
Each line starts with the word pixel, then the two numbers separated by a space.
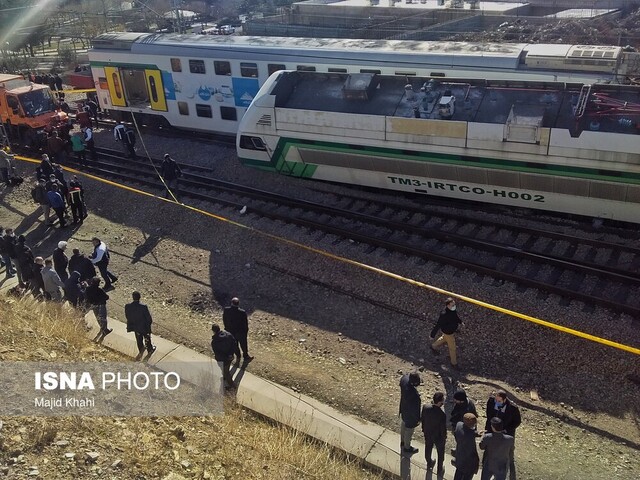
pixel 100 258
pixel 89 142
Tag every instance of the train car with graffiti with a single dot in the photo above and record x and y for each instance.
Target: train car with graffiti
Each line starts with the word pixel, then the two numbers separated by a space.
pixel 206 83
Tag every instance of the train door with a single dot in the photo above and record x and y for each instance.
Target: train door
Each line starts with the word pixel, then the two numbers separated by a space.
pixel 156 90
pixel 114 82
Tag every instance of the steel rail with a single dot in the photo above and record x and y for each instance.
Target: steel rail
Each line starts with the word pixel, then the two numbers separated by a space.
pixel 134 173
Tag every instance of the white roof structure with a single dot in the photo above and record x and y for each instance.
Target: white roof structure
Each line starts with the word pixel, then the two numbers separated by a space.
pixel 183 13
pixel 498 7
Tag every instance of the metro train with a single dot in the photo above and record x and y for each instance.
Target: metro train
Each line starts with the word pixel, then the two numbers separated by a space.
pixel 570 148
pixel 206 83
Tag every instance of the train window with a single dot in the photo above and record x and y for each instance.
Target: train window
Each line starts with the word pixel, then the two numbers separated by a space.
pixel 305 68
pixel 203 110
pixel 438 74
pixel 222 68
pixel 183 108
pixel 102 83
pixel 364 70
pixel 249 69
pixel 153 89
pixel 197 66
pixel 228 113
pixel 176 65
pixel 252 143
pixel 337 70
pixel 274 67
pixel 115 78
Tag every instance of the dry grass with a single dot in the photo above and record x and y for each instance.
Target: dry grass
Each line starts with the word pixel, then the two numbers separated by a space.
pixel 236 444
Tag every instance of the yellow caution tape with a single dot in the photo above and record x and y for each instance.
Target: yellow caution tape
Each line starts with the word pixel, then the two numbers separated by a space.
pixel 83 90
pixel 480 303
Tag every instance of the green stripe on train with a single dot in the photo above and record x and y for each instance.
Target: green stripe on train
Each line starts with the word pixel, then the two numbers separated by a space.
pixel 280 164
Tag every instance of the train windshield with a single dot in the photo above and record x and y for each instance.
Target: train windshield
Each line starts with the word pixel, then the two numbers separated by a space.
pixel 37 102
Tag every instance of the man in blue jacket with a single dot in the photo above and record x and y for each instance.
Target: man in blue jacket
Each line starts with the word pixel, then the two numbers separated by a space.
pixel 57 203
pixel 409 411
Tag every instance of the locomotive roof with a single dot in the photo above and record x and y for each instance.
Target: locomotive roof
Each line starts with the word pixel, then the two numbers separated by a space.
pixel 107 40
pixel 401 53
pixel 497 55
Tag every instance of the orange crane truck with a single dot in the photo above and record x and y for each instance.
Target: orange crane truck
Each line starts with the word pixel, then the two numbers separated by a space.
pixel 25 109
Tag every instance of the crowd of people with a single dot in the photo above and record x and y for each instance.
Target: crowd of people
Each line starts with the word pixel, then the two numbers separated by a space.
pixel 497 438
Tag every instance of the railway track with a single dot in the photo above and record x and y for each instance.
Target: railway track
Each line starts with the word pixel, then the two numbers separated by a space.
pixel 593 271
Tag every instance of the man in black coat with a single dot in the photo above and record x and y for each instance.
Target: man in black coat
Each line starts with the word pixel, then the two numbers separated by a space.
pixel 139 322
pixel 36 283
pixel 61 261
pixel 5 249
pixel 462 405
pixel 498 447
pixel 448 322
pixel 237 324
pixel 467 459
pixel 223 345
pixel 499 406
pixel 81 264
pixel 434 427
pixel 97 298
pixel 170 172
pixel 409 411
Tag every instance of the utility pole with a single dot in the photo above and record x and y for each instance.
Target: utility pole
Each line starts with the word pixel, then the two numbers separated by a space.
pixel 177 26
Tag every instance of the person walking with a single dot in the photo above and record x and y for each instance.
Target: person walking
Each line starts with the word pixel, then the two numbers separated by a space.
pixel 61 261
pixel 6 166
pixel 130 142
pixel 462 405
pixel 92 109
pixel 89 141
pixel 51 282
pixel 236 323
pixel 467 459
pixel 119 132
pixel 499 406
pixel 45 168
pixel 170 172
pixel 77 147
pixel 39 195
pixel 76 201
pixel 434 428
pixel 56 147
pixel 5 250
pixel 139 322
pixel 497 446
pixel 448 322
pixel 36 282
pixel 223 345
pixel 23 257
pixel 74 289
pixel 409 411
pixel 100 258
pixel 97 298
pixel 57 203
